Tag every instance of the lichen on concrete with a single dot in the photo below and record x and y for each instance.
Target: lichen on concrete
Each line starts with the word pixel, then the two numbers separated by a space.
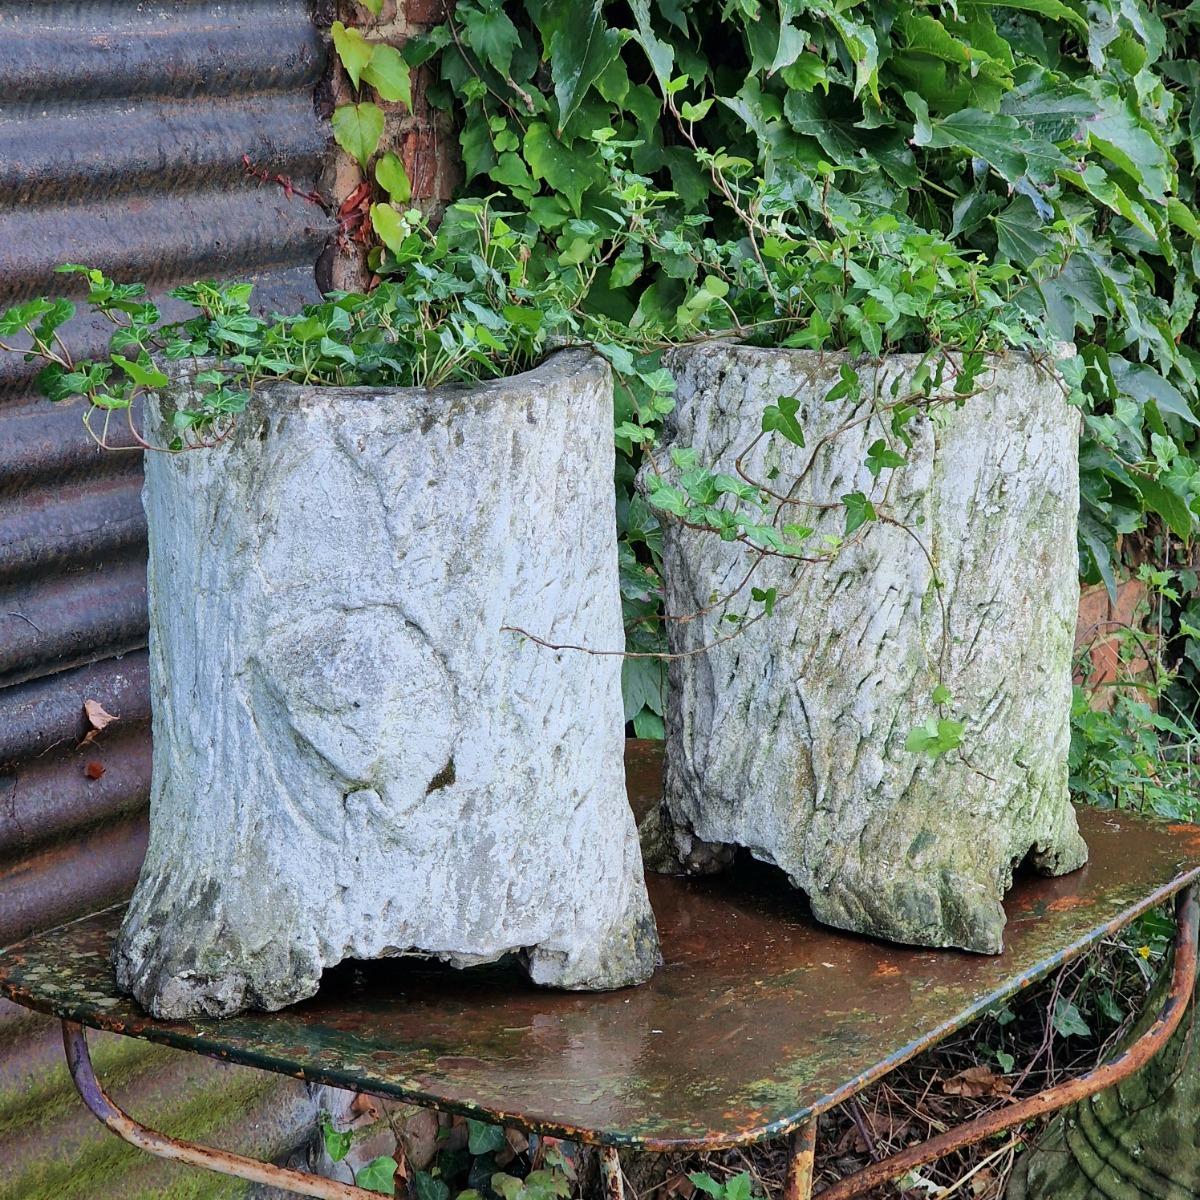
pixel 789 739
pixel 353 757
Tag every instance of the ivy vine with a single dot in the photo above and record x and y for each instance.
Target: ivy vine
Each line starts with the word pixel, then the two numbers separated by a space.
pixel 1053 137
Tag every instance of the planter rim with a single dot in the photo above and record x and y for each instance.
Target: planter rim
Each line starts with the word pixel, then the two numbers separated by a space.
pixel 571 359
pixel 1061 350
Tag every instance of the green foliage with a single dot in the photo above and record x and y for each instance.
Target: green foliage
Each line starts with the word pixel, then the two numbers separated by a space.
pixel 337 1142
pixel 542 1184
pixel 938 736
pixel 458 305
pixel 379 1175
pixel 736 1187
pixel 1134 757
pixel 376 1176
pixel 855 176
pixel 483 1138
pixel 358 126
pixel 1052 138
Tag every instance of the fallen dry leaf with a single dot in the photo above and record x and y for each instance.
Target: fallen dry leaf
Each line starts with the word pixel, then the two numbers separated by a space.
pixel 94 770
pixel 97 718
pixel 977 1081
pixel 680 1185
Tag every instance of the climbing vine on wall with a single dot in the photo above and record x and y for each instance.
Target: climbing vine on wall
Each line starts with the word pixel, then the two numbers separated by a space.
pixel 373 67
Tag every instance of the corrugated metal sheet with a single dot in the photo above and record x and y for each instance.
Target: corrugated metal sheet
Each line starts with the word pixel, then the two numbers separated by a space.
pixel 124 130
pixel 124 133
pixel 55 1150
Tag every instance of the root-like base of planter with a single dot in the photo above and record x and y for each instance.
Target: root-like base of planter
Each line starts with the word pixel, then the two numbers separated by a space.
pixel 929 907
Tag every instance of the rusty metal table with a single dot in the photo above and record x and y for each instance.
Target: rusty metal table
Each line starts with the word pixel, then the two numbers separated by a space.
pixel 758 1020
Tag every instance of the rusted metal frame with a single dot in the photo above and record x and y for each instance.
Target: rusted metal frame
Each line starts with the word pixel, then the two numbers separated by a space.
pixel 1131 1059
pixel 798 1183
pixel 610 1173
pixel 162 1146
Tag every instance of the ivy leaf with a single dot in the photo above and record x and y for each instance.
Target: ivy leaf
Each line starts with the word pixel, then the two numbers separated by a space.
pixel 427 1187
pixel 1118 133
pixel 859 510
pixel 142 375
pixel 490 34
pixel 388 74
pixel 379 1175
pixel 1092 537
pixel 1100 185
pixel 1068 1020
pixel 1146 384
pixel 780 417
pixel 1019 236
pixel 994 137
pixel 643 686
pixel 374 7
pixel 924 34
pixel 1048 107
pixel 565 169
pixel 859 40
pixel 766 597
pixel 511 171
pixel 938 736
pixel 1055 10
pixel 660 53
pixel 627 266
pixel 389 227
pixel 835 130
pixel 848 386
pixel 880 456
pixel 1183 218
pixel 790 47
pixel 353 50
pixel 581 49
pixel 357 128
pixel 393 178
pixel 1169 504
pixel 483 1138
pixel 337 1143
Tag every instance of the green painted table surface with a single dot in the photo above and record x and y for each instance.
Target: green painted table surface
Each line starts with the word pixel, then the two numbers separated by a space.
pixel 757 1019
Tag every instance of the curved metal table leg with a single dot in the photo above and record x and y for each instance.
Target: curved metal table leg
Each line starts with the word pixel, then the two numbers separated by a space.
pixel 124 1126
pixel 610 1173
pixel 802 1159
pixel 1183 982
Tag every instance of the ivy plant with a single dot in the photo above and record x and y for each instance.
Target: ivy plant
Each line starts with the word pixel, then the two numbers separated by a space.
pixel 1054 138
pixel 858 175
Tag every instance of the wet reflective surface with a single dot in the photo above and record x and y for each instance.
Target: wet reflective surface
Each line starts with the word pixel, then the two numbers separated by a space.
pixel 757 1018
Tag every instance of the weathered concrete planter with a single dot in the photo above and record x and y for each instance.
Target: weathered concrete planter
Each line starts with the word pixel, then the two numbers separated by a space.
pixel 351 759
pixel 789 739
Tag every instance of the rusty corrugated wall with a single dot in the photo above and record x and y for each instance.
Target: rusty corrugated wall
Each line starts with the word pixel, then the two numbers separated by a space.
pixel 124 133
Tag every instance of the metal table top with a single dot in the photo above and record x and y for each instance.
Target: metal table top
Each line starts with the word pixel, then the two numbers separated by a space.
pixel 758 1018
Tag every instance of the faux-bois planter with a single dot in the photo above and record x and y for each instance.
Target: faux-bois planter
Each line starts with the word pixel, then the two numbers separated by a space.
pixel 352 757
pixel 789 738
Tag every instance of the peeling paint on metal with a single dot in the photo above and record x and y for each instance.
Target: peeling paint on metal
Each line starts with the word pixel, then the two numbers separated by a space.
pixel 758 1019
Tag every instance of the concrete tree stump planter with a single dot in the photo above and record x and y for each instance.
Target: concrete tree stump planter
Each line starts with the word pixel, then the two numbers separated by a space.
pixel 789 739
pixel 351 758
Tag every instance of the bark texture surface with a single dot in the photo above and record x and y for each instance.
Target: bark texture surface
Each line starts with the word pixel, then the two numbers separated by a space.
pixel 1137 1141
pixel 789 738
pixel 351 758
